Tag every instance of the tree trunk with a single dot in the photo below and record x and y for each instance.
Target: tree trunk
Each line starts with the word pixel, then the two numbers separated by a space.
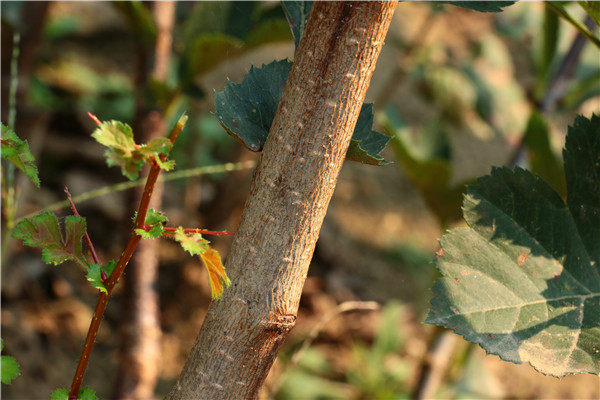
pixel 292 186
pixel 139 355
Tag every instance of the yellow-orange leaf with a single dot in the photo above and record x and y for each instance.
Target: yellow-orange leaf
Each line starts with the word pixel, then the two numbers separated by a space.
pixel 216 272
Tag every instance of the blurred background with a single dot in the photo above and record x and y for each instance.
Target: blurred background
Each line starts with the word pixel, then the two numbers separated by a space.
pixel 458 91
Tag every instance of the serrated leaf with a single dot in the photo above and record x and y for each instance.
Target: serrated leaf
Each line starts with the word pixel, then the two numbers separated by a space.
pixel 216 272
pixel 297 13
pixel 193 243
pixel 17 151
pixel 523 280
pixel 94 274
pixel 196 245
pixel 481 6
pixel 84 394
pixel 155 219
pixel 87 394
pixel 366 144
pixel 9 367
pixel 60 394
pixel 246 111
pixel 43 231
pixel 124 152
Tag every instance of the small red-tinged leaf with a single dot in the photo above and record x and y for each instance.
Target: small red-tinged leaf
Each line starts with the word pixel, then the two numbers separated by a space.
pixel 216 272
pixel 153 225
pixel 43 231
pixel 124 152
pixel 17 151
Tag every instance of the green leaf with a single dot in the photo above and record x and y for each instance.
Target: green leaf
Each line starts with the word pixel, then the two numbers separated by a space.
pixel 124 152
pixel 43 231
pixel 542 159
pixel 17 151
pixel 94 274
pixel 87 394
pixel 523 280
pixel 551 31
pixel 558 8
pixel 193 243
pixel 297 13
pixel 60 394
pixel 155 219
pixel 84 394
pixel 246 111
pixel 481 6
pixel 427 164
pixel 9 367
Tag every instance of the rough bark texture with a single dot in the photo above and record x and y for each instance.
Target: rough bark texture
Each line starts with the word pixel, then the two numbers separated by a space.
pixel 292 186
pixel 139 356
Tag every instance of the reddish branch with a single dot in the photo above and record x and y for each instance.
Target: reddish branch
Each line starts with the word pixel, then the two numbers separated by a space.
pixel 170 230
pixel 134 240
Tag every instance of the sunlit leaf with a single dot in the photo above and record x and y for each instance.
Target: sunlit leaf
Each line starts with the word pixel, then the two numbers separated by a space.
pixel 17 151
pixel 43 231
pixel 196 245
pixel 216 272
pixel 247 110
pixel 523 280
pixel 124 152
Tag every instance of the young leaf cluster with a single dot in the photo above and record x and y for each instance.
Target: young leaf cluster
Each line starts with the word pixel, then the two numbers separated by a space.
pixel 124 152
pixel 523 280
pixel 155 220
pixel 17 151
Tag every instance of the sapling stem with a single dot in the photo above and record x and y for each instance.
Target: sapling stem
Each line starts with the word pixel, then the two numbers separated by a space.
pixel 134 240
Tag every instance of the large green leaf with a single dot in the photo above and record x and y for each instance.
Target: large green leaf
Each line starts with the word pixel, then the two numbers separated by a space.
pixel 246 111
pixel 523 280
pixel 17 151
pixel 481 6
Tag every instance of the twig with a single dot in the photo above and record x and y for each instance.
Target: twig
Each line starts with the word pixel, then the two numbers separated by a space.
pixel 435 366
pixel 118 187
pixel 345 307
pixel 171 230
pixel 132 243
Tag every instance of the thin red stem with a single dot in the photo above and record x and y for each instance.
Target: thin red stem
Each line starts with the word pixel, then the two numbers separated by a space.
pixel 86 236
pixel 169 230
pixel 134 240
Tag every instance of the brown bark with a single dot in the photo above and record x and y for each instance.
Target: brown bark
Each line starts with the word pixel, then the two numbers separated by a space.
pixel 139 356
pixel 292 186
